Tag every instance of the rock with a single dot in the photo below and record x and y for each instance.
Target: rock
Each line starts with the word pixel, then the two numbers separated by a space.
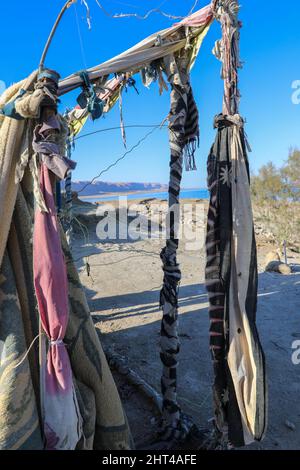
pixel 290 425
pixel 284 269
pixel 274 264
pixel 279 267
pixel 272 256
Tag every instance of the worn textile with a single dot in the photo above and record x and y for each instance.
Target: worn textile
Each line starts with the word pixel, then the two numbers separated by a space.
pixel 108 93
pixel 146 57
pixel 183 129
pixel 21 422
pixel 62 420
pixel 172 275
pixel 231 279
pixel 49 150
pixel 104 422
pixel 157 46
pixel 227 51
pixel 11 139
pixel 20 417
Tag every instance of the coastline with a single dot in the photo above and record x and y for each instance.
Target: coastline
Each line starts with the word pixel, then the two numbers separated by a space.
pixel 187 193
pixel 119 194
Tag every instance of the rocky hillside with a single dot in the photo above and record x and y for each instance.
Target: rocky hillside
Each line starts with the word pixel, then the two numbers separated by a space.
pixel 101 187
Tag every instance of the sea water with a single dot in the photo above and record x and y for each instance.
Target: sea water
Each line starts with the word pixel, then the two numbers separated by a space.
pixel 185 194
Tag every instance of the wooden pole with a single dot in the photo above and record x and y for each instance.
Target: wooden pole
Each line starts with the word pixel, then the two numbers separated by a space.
pixel 285 252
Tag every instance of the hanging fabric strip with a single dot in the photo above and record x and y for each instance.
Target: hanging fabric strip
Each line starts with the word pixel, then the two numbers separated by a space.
pixel 240 394
pixel 123 132
pixel 231 279
pixel 48 148
pixel 69 205
pixel 183 132
pixel 62 421
pixel 191 132
pixel 145 52
pixel 184 38
pixel 227 51
pixel 172 275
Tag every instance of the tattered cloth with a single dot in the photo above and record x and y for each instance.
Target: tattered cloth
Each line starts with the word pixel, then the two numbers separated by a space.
pixel 191 132
pixel 62 419
pixel 231 277
pixel 183 38
pixel 50 152
pixel 104 423
pixel 157 46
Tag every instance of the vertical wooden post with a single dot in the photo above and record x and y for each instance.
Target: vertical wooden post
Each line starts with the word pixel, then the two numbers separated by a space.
pixel 285 252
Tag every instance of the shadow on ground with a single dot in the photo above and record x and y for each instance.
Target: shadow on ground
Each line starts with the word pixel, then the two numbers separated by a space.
pixel 130 324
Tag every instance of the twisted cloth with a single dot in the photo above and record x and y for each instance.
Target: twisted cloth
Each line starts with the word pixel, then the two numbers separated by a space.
pixel 227 51
pixel 183 132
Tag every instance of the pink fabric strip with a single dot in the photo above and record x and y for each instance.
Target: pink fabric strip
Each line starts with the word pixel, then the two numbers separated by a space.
pixel 199 18
pixel 50 281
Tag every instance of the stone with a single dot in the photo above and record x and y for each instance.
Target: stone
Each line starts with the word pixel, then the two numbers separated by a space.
pixel 279 267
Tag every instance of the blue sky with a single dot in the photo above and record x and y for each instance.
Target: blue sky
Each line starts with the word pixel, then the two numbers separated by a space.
pixel 270 48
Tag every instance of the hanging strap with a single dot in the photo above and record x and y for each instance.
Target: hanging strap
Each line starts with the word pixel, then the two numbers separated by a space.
pixel 88 98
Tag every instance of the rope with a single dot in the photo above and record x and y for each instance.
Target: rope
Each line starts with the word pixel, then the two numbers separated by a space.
pixel 88 13
pixel 122 157
pixel 86 237
pixel 83 56
pixel 132 126
pixel 69 207
pixel 146 16
pixel 130 5
pixel 27 352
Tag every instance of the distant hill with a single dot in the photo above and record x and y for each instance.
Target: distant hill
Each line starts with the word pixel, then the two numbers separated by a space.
pixel 102 187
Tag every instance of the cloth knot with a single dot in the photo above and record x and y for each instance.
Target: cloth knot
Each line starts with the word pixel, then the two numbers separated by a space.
pixel 222 121
pixel 56 342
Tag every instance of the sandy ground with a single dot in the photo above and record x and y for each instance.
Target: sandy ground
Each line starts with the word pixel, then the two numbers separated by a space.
pixel 123 293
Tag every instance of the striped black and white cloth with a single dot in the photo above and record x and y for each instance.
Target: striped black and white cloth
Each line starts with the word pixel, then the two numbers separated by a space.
pixel 231 277
pixel 184 132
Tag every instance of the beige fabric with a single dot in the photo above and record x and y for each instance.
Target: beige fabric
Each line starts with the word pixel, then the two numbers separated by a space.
pixel 240 357
pixel 156 46
pixel 108 425
pixel 11 135
pixel 19 386
pixel 29 105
